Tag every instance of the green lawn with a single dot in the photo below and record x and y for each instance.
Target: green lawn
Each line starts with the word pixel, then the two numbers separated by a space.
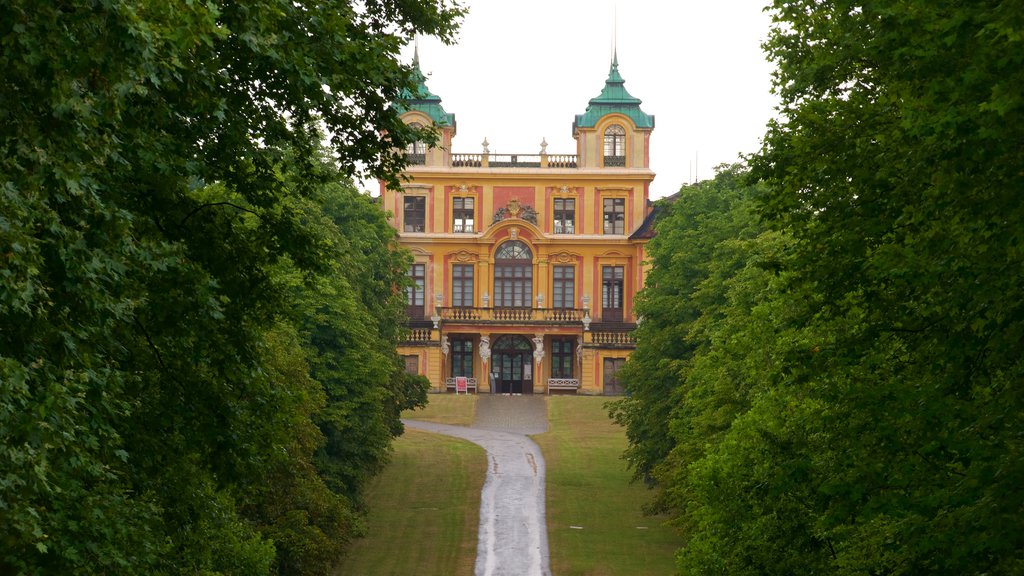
pixel 588 488
pixel 424 511
pixel 459 410
pixel 424 508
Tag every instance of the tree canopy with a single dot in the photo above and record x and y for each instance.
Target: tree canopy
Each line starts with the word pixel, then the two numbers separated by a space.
pixel 846 399
pixel 197 313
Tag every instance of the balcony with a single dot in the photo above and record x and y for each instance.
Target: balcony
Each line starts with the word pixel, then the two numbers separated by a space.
pixel 488 160
pixel 540 316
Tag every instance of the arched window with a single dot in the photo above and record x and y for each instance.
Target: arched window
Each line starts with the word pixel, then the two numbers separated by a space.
pixel 416 152
pixel 513 275
pixel 615 146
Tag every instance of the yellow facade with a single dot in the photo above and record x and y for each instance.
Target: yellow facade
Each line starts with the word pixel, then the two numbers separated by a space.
pixel 526 264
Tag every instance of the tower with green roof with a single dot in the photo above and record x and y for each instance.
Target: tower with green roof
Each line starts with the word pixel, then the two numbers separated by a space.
pixel 613 132
pixel 423 107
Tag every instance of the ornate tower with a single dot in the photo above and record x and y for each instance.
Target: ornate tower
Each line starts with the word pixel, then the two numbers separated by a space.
pixel 423 107
pixel 613 132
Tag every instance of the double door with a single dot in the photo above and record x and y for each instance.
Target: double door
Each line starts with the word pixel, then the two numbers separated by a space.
pixel 512 365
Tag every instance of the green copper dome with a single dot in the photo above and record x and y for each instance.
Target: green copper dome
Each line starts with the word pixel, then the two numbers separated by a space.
pixel 614 98
pixel 422 99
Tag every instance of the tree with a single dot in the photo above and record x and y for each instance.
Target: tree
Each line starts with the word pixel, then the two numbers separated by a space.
pixel 882 439
pixel 157 161
pixel 702 235
pixel 850 401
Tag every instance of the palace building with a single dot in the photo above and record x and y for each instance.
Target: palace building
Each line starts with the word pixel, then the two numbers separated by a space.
pixel 526 265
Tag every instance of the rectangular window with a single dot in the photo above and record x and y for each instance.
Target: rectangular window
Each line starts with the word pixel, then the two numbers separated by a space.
pixel 565 216
pixel 513 285
pixel 562 357
pixel 414 294
pixel 462 285
pixel 415 214
pixel 463 215
pixel 412 364
pixel 563 290
pixel 462 357
pixel 614 215
pixel 611 293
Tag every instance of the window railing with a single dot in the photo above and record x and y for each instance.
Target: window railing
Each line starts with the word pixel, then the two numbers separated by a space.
pixel 544 315
pixel 463 229
pixel 614 338
pixel 419 335
pixel 415 158
pixel 614 161
pixel 488 160
pixel 565 228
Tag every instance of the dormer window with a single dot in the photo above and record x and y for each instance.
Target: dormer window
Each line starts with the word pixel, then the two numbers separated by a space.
pixel 416 152
pixel 615 146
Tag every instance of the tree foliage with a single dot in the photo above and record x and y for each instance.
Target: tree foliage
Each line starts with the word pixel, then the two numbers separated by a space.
pixel 173 243
pixel 855 406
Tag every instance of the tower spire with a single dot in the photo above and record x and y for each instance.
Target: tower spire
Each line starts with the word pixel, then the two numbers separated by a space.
pixel 416 53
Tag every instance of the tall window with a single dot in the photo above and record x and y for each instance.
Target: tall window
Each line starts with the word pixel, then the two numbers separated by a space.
pixel 562 357
pixel 563 287
pixel 615 146
pixel 565 216
pixel 614 215
pixel 412 364
pixel 513 276
pixel 462 357
pixel 463 215
pixel 462 285
pixel 415 213
pixel 416 152
pixel 611 293
pixel 414 294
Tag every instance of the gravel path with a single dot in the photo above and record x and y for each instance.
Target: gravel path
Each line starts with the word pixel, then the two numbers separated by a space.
pixel 513 535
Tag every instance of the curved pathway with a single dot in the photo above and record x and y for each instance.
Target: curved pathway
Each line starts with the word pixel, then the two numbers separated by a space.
pixel 513 536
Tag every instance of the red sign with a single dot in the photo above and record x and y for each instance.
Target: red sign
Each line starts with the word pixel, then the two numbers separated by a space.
pixel 461 384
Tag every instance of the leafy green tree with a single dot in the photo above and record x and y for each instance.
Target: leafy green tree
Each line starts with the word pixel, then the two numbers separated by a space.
pixel 851 404
pixel 701 236
pixel 146 224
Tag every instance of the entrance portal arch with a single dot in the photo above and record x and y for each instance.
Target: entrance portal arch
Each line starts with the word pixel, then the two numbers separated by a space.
pixel 512 364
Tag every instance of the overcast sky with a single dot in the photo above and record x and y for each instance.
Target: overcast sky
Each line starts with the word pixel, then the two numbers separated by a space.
pixel 522 70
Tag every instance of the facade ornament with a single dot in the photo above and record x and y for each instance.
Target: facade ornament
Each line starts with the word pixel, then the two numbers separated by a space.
pixel 485 348
pixel 514 208
pixel 564 189
pixel 487 300
pixel 586 320
pixel 543 146
pixel 514 233
pixel 538 348
pixel 540 299
pixel 579 349
pixel 485 144
pixel 586 301
pixel 463 188
pixel 444 345
pixel 436 316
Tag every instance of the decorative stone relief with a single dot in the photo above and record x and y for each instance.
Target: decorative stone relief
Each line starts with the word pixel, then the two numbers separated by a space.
pixel 485 348
pixel 538 348
pixel 444 345
pixel 516 210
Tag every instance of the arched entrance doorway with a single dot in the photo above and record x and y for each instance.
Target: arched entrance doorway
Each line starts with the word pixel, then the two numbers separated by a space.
pixel 512 365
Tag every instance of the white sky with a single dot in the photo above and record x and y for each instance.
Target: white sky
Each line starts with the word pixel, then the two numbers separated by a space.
pixel 522 70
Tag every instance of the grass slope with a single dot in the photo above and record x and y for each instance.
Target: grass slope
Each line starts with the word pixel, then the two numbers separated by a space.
pixel 588 487
pixel 457 410
pixel 423 510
